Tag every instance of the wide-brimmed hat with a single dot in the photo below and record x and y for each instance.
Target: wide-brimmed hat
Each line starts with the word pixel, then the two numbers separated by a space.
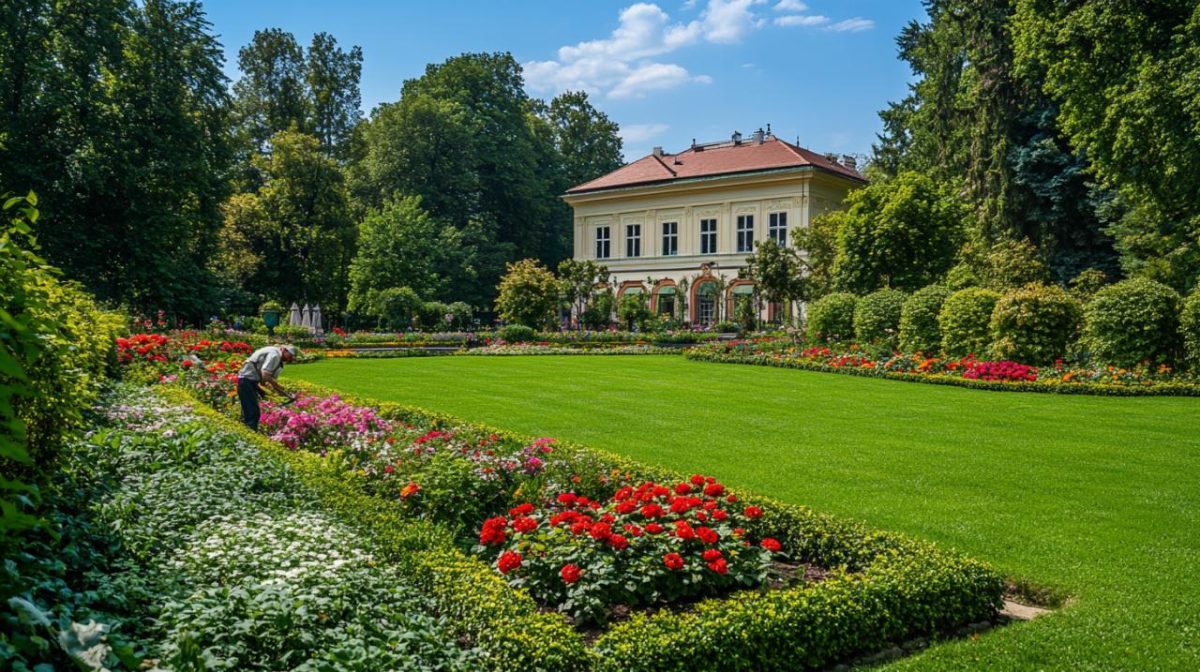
pixel 291 350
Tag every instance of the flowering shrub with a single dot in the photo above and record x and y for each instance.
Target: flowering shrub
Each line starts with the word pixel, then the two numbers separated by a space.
pixel 644 546
pixel 321 424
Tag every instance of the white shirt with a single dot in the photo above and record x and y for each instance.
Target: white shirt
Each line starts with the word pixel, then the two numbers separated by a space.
pixel 265 360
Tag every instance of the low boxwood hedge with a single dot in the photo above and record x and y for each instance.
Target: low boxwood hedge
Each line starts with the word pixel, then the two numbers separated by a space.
pixel 883 589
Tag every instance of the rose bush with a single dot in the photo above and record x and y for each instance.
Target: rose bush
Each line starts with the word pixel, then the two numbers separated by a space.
pixel 644 546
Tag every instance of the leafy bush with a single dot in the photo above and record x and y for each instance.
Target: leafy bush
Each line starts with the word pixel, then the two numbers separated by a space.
pixel 432 316
pixel 461 315
pixel 529 295
pixel 1089 281
pixel 831 317
pixel 1012 263
pixel 726 327
pixel 1189 328
pixel 1034 324
pixel 395 308
pixel 598 314
pixel 1131 322
pixel 516 333
pixel 965 321
pixel 919 328
pixel 634 311
pixel 877 318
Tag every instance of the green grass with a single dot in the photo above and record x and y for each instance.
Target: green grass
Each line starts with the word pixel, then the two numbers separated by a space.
pixel 1097 496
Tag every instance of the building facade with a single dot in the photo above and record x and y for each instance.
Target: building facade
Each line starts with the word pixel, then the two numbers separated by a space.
pixel 678 227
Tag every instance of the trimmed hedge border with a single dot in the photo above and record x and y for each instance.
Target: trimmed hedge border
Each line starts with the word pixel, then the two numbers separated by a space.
pixel 1095 389
pixel 883 589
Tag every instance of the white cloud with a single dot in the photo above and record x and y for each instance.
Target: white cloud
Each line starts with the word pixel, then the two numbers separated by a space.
pixel 855 25
pixel 791 6
pixel 654 77
pixel 636 133
pixel 806 21
pixel 626 64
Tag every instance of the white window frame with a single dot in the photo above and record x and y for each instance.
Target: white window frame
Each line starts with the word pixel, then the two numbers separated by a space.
pixel 670 239
pixel 777 227
pixel 603 242
pixel 708 236
pixel 633 240
pixel 745 233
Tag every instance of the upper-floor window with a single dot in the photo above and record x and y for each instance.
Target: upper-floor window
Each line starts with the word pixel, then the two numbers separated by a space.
pixel 745 233
pixel 708 236
pixel 603 242
pixel 777 228
pixel 633 240
pixel 670 239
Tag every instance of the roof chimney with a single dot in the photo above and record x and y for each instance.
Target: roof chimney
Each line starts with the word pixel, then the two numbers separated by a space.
pixel 737 137
pixel 850 162
pixel 657 152
pixel 758 137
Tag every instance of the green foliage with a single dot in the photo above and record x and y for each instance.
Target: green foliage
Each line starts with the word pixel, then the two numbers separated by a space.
pixel 831 318
pixel 528 295
pixel 1132 322
pixel 778 272
pixel 293 239
pixel 1189 328
pixel 432 316
pixel 117 116
pixel 919 327
pixel 400 245
pixel 965 321
pixel 579 280
pixel 1089 281
pixel 587 141
pixel 819 242
pixel 877 319
pixel 1009 264
pixel 461 315
pixel 598 314
pixel 395 308
pixel 516 333
pixel 1035 324
pixel 1124 75
pixel 634 311
pixel 902 232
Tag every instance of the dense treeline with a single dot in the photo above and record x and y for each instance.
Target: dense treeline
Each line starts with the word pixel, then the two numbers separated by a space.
pixel 1044 139
pixel 166 186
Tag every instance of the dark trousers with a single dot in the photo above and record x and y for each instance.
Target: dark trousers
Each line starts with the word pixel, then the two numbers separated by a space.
pixel 248 395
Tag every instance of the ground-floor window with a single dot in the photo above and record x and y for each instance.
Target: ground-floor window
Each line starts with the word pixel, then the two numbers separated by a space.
pixel 666 304
pixel 705 307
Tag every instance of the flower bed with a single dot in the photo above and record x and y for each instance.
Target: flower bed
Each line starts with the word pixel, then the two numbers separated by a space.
pixel 225 563
pixel 503 349
pixel 885 589
pixel 965 372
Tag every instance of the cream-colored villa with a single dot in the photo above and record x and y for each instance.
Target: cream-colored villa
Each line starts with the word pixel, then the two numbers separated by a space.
pixel 678 227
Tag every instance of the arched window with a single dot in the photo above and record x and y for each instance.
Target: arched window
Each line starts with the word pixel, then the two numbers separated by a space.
pixel 706 303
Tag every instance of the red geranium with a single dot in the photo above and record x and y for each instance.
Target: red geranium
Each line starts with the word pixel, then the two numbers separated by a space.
pixel 711 554
pixel 719 566
pixel 771 545
pixel 509 560
pixel 707 535
pixel 682 489
pixel 571 573
pixel 618 542
pixel 673 561
pixel 524 525
pixel 521 510
pixel 493 531
pixel 753 512
pixel 697 479
pixel 714 490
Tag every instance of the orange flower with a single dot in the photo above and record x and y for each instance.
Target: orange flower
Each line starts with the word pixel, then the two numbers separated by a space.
pixel 409 490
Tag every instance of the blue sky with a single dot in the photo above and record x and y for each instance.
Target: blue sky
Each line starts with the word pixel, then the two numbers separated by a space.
pixel 667 72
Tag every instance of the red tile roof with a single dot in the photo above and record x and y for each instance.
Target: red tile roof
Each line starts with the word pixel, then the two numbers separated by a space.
pixel 717 159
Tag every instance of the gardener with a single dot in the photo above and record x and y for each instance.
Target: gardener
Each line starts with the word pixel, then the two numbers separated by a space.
pixel 262 368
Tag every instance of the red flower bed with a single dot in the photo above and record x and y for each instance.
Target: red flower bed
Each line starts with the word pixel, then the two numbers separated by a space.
pixel 646 545
pixel 1003 370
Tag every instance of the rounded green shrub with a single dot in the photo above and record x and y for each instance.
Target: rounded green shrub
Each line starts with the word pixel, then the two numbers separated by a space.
pixel 1034 324
pixel 919 329
pixel 877 318
pixel 1189 328
pixel 1132 322
pixel 965 319
pixel 831 317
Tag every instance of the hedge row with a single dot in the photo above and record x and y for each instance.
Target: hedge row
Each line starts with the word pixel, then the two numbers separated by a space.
pixel 1127 324
pixel 884 589
pixel 1151 390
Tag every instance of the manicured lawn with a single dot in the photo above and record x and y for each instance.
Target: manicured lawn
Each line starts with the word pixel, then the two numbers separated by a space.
pixel 1097 496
